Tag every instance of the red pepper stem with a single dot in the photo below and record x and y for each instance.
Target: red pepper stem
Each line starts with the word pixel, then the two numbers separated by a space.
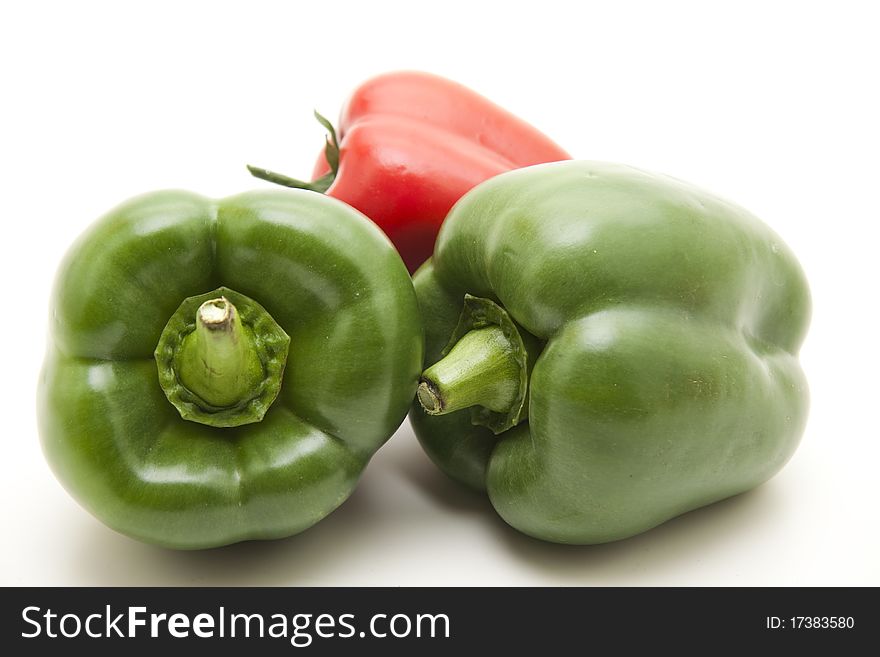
pixel 322 184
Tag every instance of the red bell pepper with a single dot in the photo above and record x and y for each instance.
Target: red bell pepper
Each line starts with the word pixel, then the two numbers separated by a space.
pixel 410 145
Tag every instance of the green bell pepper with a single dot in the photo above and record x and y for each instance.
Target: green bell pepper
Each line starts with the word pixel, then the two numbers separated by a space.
pixel 223 370
pixel 610 349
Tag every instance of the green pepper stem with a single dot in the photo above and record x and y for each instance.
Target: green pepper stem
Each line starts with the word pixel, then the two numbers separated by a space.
pixel 481 369
pixel 218 361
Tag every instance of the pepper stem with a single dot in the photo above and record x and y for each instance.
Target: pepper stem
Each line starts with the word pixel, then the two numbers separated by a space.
pixel 322 184
pixel 218 361
pixel 481 369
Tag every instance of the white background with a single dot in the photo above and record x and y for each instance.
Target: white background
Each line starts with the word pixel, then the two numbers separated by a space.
pixel 771 104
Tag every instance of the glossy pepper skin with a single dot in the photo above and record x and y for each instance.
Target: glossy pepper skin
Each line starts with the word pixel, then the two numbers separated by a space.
pixel 665 326
pixel 411 144
pixel 121 448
